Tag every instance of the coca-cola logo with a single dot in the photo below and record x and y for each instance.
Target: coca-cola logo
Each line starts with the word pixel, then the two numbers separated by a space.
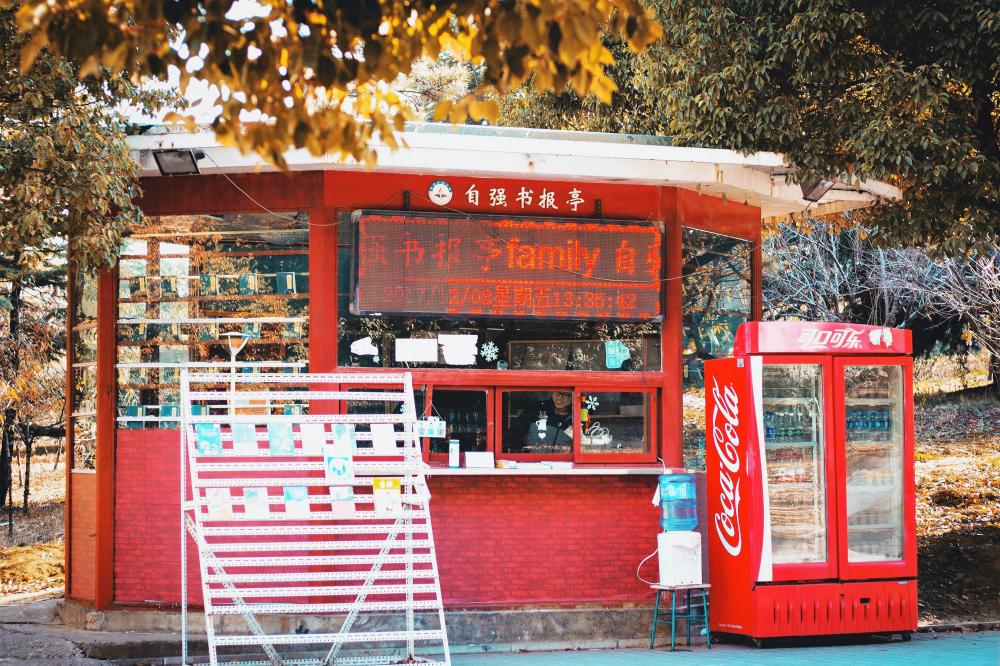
pixel 726 439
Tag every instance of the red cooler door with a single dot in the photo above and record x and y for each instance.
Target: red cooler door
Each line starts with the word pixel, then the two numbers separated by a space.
pixel 875 459
pixel 797 429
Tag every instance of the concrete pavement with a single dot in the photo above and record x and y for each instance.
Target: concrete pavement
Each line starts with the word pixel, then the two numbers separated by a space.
pixel 30 634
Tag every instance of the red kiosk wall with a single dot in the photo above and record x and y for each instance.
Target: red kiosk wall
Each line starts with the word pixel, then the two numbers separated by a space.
pixel 502 541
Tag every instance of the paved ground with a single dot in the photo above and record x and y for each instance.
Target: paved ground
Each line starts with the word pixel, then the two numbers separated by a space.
pixel 30 635
pixel 958 649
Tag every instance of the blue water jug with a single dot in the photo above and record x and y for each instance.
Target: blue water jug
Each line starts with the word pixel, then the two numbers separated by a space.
pixel 678 503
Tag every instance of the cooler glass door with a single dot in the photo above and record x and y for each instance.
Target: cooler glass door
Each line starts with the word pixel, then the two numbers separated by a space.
pixel 875 438
pixel 797 427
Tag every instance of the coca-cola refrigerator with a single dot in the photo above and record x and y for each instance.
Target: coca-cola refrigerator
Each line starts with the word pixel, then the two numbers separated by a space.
pixel 810 490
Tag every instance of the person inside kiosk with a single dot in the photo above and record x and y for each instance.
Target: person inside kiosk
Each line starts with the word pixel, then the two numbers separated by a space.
pixel 546 427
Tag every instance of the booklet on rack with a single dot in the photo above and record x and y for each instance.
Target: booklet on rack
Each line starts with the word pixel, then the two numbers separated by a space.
pixel 313 436
pixel 280 438
pixel 387 493
pixel 255 504
pixel 219 503
pixel 245 438
pixel 208 437
pixel 342 502
pixel 384 439
pixel 345 435
pixel 296 502
pixel 338 461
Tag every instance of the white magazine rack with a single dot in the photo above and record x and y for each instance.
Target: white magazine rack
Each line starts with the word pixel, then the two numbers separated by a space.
pixel 368 579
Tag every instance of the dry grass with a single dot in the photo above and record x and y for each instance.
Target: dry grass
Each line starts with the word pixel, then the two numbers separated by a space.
pixel 32 558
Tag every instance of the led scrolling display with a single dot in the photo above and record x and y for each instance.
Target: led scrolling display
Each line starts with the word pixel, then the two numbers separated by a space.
pixel 424 264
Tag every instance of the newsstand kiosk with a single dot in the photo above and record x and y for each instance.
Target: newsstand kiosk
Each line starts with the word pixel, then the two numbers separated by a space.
pixel 810 481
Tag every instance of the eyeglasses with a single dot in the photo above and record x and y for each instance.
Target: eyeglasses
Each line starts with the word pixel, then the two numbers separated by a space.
pixel 563 394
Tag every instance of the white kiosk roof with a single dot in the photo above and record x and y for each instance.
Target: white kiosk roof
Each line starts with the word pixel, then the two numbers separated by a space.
pixel 758 179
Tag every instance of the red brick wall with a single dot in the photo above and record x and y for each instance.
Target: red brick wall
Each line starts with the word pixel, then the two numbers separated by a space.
pixel 83 535
pixel 501 541
pixel 530 540
pixel 147 522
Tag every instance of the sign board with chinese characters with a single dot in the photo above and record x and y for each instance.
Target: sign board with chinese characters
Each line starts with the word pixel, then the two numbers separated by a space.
pixel 427 264
pixel 818 337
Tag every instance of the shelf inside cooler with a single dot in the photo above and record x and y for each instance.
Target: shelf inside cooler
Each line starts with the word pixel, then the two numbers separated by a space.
pixel 869 442
pixel 871 401
pixel 872 526
pixel 866 488
pixel 790 401
pixel 782 445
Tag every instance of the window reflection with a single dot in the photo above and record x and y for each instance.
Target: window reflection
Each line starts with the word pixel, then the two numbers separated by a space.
pixel 717 299
pixel 83 423
pixel 187 279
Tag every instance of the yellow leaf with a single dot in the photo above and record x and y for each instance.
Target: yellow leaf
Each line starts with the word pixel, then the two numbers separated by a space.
pixel 89 66
pixel 486 110
pixel 179 118
pixel 442 110
pixel 32 49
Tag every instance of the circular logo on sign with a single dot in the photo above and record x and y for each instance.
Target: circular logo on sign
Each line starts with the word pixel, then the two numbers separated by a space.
pixel 440 192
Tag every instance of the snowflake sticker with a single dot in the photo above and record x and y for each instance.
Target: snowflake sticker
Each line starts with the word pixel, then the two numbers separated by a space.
pixel 489 351
pixel 591 402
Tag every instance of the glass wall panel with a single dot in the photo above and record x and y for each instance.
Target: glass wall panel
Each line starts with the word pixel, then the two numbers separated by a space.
pixel 187 280
pixel 795 448
pixel 83 396
pixel 717 285
pixel 874 427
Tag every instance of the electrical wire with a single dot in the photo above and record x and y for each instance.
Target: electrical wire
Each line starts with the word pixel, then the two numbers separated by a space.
pixel 644 560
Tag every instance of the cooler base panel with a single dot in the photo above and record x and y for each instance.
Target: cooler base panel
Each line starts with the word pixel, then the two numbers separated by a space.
pixel 821 609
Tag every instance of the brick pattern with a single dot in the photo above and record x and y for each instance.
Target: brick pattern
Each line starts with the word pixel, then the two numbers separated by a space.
pixel 539 540
pixel 147 521
pixel 83 536
pixel 501 541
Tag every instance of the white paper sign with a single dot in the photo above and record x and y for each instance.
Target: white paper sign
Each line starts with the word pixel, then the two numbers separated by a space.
pixel 431 426
pixel 313 438
pixel 458 349
pixel 364 347
pixel 384 439
pixel 416 350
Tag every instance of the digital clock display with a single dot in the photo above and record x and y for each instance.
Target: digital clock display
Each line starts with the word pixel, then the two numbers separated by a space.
pixel 426 264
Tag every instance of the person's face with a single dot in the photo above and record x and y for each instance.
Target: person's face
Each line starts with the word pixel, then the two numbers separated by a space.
pixel 561 400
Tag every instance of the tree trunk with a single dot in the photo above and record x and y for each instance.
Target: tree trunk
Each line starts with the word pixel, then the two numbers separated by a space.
pixel 28 440
pixel 995 373
pixel 10 414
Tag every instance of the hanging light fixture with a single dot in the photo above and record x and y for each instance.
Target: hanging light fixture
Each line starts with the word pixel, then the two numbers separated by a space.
pixel 178 161
pixel 815 187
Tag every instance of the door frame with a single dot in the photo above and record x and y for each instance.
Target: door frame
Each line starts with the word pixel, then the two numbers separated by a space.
pixel 907 566
pixel 809 570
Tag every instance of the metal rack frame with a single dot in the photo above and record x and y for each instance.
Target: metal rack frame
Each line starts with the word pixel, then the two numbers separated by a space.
pixel 319 563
